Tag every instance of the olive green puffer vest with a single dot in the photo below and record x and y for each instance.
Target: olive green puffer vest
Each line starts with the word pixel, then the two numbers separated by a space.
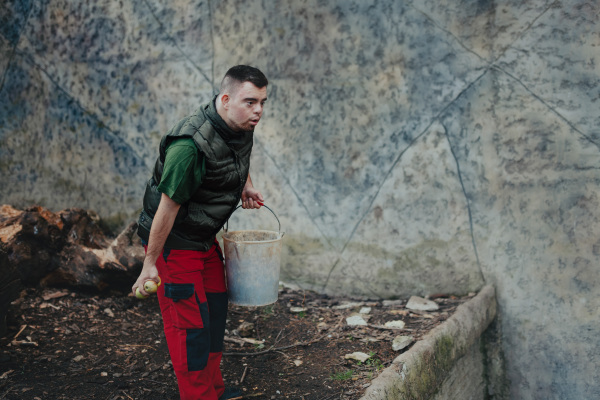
pixel 227 161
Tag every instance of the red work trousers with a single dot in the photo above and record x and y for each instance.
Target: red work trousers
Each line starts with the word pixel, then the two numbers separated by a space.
pixel 193 302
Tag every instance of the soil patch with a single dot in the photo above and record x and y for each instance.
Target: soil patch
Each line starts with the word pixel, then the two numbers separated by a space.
pixel 70 345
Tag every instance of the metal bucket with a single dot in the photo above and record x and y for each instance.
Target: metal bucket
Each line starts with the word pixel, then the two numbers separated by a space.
pixel 252 264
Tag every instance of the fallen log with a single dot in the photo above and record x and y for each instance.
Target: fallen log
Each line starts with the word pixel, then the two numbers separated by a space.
pixel 64 249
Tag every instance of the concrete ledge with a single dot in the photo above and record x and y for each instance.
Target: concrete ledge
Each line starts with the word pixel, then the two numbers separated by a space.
pixel 420 372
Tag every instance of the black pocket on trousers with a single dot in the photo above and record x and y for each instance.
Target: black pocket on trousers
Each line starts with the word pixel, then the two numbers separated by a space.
pixel 185 310
pixel 179 291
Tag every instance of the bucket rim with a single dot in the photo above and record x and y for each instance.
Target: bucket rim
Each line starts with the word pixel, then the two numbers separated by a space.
pixel 279 234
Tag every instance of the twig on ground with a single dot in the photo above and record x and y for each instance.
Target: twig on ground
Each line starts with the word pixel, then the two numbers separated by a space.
pixel 246 396
pixel 256 328
pixel 128 396
pixel 152 380
pixel 244 375
pixel 23 343
pixel 272 348
pixel 330 396
pixel 277 338
pixel 7 392
pixel 20 331
pixel 234 340
pixel 98 361
pixel 138 345
pixel 282 353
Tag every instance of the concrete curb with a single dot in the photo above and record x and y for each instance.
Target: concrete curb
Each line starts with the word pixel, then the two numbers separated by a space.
pixel 419 372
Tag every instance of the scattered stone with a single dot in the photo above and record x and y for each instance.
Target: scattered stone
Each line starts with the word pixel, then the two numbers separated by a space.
pixel 322 326
pixel 78 358
pixel 298 310
pixel 401 342
pixel 298 363
pixel 365 310
pixel 369 340
pixel 395 324
pixel 245 329
pixel 392 303
pixel 109 312
pixel 421 304
pixel 346 306
pixel 356 320
pixel 358 356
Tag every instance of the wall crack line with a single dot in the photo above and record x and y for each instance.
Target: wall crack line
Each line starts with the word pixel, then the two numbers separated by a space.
pixel 356 275
pixel 85 111
pixel 527 28
pixel 287 181
pixel 393 166
pixel 14 49
pixel 468 201
pixel 162 27
pixel 552 4
pixel 434 22
pixel 552 109
pixel 329 274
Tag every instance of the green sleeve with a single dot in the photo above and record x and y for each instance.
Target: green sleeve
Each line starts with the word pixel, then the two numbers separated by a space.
pixel 183 170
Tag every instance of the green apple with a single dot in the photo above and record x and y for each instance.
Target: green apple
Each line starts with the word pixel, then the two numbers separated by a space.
pixel 150 286
pixel 139 295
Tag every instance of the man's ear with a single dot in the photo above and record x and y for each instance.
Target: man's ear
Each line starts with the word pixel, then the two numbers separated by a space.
pixel 225 101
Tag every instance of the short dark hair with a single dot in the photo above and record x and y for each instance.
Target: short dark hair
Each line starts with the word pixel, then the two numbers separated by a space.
pixel 244 73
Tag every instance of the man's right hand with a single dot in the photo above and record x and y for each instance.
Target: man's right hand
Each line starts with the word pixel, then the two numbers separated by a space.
pixel 149 273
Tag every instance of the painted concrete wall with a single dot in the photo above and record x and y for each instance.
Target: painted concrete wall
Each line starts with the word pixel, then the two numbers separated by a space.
pixel 408 147
pixel 466 380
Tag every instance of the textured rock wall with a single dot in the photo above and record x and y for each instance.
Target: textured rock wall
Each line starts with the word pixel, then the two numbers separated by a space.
pixel 408 147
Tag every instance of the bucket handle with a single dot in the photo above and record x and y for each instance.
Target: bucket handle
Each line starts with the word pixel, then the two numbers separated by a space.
pixel 267 207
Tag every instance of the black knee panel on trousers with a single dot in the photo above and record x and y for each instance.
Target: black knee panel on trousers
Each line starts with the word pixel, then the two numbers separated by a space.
pixel 217 307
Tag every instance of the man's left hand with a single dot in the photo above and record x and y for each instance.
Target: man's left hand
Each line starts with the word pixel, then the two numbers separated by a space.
pixel 251 198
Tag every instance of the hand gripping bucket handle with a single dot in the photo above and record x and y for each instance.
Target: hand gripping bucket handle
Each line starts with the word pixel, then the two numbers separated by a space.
pixel 252 264
pixel 268 208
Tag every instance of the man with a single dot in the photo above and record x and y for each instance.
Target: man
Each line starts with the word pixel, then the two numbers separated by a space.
pixel 200 176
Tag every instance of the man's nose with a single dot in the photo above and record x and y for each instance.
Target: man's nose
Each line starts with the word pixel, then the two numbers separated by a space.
pixel 258 109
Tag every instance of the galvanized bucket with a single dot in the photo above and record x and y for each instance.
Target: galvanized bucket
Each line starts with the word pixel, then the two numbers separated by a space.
pixel 252 264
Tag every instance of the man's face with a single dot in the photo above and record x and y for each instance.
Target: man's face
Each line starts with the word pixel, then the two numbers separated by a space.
pixel 244 107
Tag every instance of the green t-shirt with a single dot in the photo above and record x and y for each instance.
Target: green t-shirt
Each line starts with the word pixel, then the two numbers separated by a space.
pixel 183 170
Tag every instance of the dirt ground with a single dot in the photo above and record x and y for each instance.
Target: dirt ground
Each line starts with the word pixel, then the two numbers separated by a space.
pixel 68 345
